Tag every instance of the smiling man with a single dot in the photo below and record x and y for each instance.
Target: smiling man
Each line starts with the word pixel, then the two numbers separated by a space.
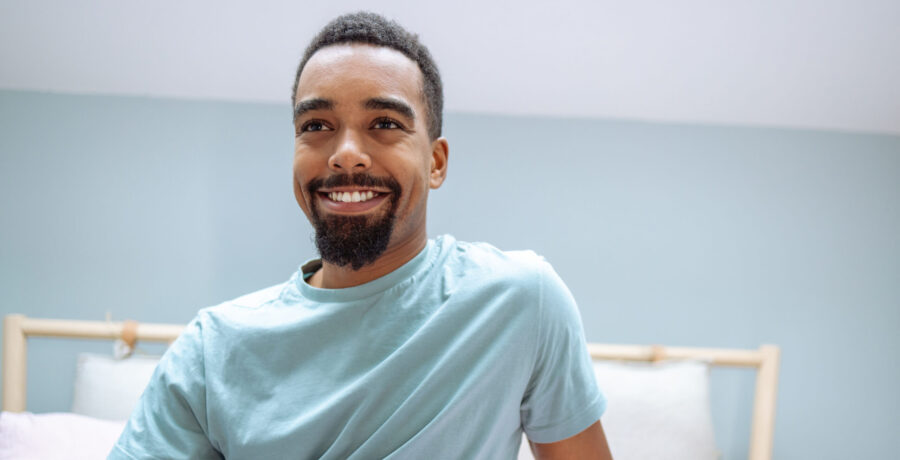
pixel 390 345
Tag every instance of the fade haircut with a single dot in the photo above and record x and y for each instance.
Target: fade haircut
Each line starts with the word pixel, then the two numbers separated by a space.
pixel 373 29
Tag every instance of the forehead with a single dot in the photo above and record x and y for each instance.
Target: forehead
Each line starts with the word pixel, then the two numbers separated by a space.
pixel 348 72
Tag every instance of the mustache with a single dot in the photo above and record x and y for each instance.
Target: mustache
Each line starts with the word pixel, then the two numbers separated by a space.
pixel 356 179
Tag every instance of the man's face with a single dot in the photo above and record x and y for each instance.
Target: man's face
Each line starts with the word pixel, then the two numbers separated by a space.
pixel 363 161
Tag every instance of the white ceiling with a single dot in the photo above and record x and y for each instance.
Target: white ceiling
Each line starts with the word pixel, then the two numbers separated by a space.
pixel 824 64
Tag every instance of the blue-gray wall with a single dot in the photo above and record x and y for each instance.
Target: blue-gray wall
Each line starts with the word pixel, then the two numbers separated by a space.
pixel 673 234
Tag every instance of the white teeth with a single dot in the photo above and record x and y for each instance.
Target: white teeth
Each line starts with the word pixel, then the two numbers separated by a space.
pixel 354 197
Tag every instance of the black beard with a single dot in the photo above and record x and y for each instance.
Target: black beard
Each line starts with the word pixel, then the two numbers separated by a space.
pixel 353 240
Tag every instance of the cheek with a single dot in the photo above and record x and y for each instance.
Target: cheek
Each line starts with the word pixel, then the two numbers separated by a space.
pixel 297 175
pixel 299 181
pixel 417 186
pixel 304 167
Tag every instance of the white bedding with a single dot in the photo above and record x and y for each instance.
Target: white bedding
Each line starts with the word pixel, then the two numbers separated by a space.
pixel 63 436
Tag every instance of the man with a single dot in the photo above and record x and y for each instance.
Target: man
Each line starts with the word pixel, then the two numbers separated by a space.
pixel 391 345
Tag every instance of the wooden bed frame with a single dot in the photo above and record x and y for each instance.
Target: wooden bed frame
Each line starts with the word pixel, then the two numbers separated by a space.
pixel 17 329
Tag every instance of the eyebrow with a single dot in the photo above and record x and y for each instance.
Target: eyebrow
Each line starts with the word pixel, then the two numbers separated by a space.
pixel 375 103
pixel 308 105
pixel 383 103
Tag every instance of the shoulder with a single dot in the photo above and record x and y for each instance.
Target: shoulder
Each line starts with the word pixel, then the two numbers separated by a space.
pixel 240 313
pixel 515 265
pixel 251 301
pixel 518 268
pixel 258 298
pixel 482 265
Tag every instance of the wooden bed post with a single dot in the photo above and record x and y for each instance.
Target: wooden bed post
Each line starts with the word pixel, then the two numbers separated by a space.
pixel 763 428
pixel 14 363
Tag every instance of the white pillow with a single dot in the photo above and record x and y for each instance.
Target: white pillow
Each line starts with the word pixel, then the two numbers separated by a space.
pixel 53 436
pixel 110 388
pixel 655 411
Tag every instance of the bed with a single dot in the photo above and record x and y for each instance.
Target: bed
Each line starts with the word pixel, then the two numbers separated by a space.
pixel 656 393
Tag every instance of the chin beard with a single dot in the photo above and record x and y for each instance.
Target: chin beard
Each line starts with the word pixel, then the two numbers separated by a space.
pixel 356 241
pixel 353 240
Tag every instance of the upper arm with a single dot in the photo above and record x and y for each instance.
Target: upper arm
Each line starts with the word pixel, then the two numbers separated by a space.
pixel 562 397
pixel 590 444
pixel 170 418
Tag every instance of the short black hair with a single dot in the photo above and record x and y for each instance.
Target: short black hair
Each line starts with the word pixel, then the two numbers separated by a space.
pixel 374 29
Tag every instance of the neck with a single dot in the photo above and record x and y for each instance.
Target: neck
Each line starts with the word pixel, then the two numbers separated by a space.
pixel 332 276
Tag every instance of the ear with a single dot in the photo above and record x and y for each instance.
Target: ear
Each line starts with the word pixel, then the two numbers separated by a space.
pixel 440 150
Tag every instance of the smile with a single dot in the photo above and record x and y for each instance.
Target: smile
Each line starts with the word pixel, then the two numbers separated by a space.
pixel 352 201
pixel 352 197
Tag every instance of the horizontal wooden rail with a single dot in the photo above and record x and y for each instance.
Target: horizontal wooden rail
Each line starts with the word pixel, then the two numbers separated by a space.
pixel 97 329
pixel 715 356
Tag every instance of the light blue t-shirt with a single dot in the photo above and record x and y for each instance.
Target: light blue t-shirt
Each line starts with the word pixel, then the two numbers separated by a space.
pixel 451 355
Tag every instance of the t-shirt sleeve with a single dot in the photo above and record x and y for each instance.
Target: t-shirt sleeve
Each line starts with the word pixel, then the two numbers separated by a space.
pixel 562 398
pixel 170 419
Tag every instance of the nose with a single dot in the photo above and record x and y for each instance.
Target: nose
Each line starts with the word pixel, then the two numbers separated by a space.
pixel 350 155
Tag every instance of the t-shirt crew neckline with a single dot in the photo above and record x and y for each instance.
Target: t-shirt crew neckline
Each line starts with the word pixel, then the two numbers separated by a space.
pixel 422 260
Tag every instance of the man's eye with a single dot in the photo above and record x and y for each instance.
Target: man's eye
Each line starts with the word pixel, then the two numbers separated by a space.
pixel 313 126
pixel 386 123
